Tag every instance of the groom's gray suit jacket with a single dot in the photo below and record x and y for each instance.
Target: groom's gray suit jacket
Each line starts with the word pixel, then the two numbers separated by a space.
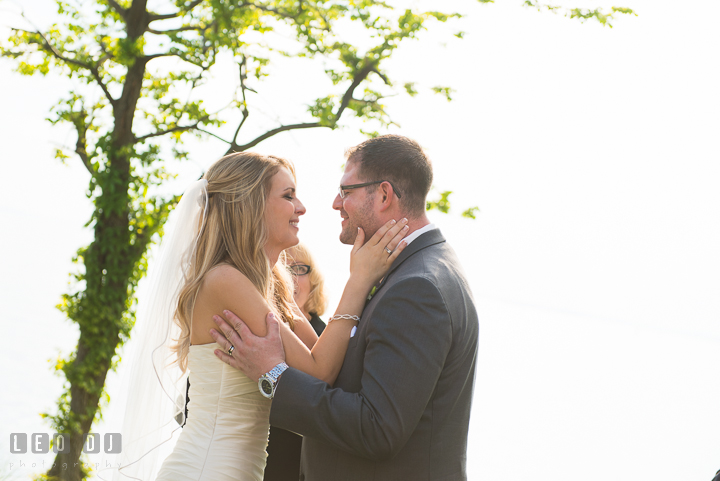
pixel 400 407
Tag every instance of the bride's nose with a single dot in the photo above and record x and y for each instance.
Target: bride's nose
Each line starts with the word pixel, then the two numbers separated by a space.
pixel 299 208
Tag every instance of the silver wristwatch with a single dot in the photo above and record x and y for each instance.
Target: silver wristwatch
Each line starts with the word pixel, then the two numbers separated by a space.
pixel 268 381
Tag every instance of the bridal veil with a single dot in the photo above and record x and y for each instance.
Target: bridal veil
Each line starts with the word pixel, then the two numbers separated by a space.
pixel 155 408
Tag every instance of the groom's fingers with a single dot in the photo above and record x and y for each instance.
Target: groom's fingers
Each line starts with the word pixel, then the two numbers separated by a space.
pixel 229 333
pixel 236 322
pixel 225 345
pixel 227 358
pixel 273 326
pixel 220 340
pixel 240 327
pixel 223 327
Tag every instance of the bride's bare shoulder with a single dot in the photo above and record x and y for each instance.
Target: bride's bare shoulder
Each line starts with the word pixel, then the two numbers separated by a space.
pixel 225 276
pixel 225 287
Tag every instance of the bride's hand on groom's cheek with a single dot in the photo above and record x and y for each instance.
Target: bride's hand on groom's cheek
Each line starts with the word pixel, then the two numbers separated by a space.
pixel 371 260
pixel 251 354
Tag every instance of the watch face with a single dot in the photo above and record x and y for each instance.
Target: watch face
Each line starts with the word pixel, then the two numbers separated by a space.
pixel 266 387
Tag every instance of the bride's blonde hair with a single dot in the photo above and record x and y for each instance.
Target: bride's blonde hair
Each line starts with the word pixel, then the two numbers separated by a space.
pixel 234 232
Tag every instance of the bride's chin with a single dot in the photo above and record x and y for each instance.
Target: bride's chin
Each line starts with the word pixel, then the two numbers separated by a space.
pixel 290 244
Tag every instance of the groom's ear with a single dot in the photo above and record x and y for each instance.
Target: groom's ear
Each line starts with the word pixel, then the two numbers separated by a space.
pixel 385 196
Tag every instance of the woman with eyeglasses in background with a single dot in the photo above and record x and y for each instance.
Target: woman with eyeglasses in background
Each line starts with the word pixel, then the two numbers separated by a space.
pixel 283 462
pixel 309 285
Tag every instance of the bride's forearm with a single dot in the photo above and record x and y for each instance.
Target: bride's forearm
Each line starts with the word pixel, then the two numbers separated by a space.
pixel 326 357
pixel 354 296
pixel 368 262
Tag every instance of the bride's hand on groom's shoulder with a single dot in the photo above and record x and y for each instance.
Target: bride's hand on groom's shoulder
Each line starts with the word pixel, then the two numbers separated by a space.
pixel 369 261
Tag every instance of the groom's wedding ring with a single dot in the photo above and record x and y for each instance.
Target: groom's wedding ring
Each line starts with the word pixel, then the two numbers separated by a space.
pixel 232 348
pixel 388 250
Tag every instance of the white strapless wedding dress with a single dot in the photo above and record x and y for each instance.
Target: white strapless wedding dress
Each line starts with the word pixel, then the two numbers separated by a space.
pixel 226 433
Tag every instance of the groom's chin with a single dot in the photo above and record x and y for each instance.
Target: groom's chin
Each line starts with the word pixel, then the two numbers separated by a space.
pixel 348 237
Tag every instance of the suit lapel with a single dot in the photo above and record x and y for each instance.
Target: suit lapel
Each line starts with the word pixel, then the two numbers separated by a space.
pixel 425 240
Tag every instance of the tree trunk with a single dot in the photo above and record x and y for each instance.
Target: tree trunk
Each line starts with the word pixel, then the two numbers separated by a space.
pixel 108 269
pixel 109 264
pixel 67 466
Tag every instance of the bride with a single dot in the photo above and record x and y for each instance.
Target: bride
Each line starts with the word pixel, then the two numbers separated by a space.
pixel 225 251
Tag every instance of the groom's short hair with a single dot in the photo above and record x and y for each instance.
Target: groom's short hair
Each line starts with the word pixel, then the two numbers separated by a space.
pixel 399 160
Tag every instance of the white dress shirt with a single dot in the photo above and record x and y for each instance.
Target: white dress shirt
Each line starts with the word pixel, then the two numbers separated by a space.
pixel 418 233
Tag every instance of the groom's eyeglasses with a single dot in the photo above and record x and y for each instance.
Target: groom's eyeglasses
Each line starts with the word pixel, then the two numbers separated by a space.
pixel 299 269
pixel 344 188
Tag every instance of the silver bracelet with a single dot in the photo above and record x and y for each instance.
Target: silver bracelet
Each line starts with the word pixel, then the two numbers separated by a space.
pixel 344 316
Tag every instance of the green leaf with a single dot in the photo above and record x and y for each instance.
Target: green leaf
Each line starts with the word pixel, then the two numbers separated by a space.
pixel 471 212
pixel 442 204
pixel 444 91
pixel 410 89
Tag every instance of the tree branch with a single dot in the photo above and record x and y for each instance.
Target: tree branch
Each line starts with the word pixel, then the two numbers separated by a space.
pixel 147 58
pixel 181 29
pixel 104 88
pixel 382 76
pixel 71 61
pixel 242 66
pixel 82 127
pixel 357 80
pixel 275 11
pixel 359 77
pixel 177 128
pixel 214 135
pixel 324 18
pixel 117 7
pixel 180 13
pixel 270 133
pixel 81 150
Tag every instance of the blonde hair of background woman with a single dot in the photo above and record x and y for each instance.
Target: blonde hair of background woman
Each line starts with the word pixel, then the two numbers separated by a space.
pixel 234 232
pixel 317 300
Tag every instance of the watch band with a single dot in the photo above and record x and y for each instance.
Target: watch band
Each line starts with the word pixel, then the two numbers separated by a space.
pixel 268 381
pixel 275 372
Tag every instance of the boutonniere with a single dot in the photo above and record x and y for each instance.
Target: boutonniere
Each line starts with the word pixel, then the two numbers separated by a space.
pixel 372 293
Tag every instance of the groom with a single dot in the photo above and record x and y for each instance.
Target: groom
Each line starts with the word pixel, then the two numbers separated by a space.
pixel 400 407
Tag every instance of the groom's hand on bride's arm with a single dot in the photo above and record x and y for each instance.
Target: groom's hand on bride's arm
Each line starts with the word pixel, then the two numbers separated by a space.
pixel 253 355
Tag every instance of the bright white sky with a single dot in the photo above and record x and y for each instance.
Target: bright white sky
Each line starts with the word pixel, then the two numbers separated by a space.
pixel 593 156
